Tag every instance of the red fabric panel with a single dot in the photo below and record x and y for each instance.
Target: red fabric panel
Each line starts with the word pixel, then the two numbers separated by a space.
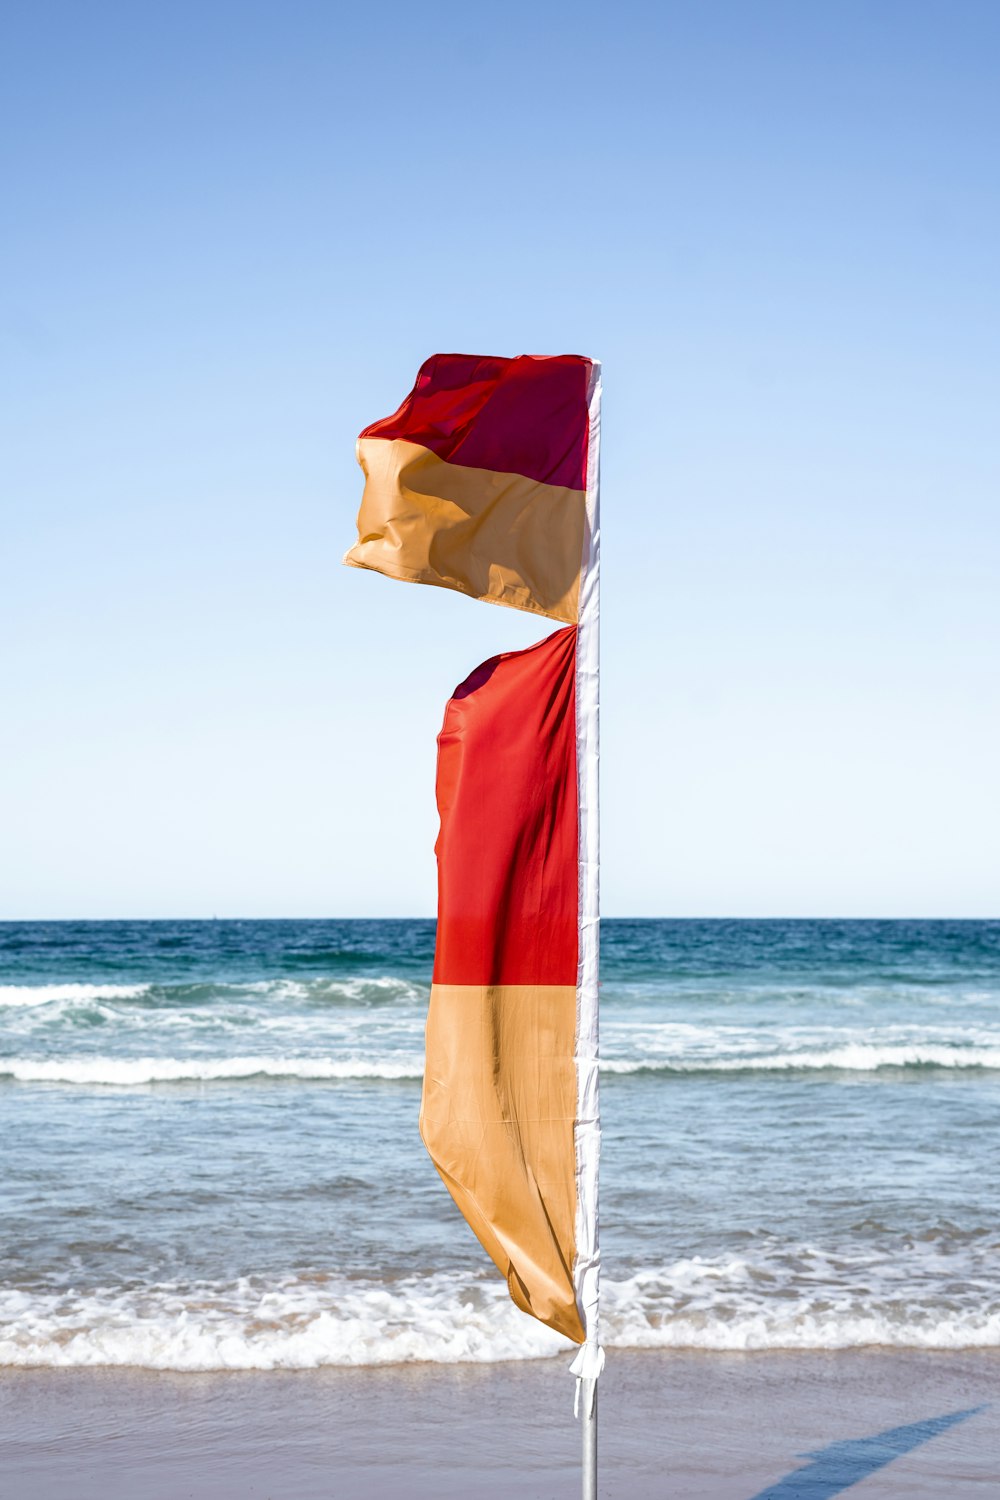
pixel 518 416
pixel 508 898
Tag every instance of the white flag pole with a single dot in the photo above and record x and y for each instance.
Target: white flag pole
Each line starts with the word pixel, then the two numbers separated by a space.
pixel 590 1359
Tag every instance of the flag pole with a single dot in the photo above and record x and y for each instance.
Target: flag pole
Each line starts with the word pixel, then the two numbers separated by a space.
pixel 587 1365
pixel 498 1095
pixel 588 1422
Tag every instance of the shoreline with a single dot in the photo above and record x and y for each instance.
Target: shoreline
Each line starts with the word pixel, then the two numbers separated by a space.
pixel 703 1426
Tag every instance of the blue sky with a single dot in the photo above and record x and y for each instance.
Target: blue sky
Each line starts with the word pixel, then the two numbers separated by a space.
pixel 230 233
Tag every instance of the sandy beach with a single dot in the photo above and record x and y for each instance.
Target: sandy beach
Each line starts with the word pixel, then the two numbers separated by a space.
pixel 705 1427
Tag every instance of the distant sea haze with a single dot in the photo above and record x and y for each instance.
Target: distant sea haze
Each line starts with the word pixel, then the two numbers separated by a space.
pixel 213 1163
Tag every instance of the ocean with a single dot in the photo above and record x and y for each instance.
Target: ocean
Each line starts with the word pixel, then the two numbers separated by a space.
pixel 211 1158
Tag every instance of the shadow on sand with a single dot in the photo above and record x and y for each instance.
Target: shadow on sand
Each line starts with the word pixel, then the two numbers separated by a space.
pixel 842 1464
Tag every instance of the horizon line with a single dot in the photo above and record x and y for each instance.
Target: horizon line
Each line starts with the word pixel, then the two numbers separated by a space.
pixel 617 917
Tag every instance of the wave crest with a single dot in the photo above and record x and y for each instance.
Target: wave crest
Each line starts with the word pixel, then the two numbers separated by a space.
pixel 788 1298
pixel 130 1072
pixel 136 1071
pixel 31 995
pixel 851 1057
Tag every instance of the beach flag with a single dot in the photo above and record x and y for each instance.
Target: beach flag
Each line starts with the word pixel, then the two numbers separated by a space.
pixel 479 482
pixel 485 481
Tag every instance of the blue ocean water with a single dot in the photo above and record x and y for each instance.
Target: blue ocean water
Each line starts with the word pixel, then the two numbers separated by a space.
pixel 211 1159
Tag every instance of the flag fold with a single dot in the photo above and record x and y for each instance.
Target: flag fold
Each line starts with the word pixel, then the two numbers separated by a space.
pixel 500 1085
pixel 478 482
pixel 486 481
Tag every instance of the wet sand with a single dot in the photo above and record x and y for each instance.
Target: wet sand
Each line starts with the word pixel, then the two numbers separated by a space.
pixel 696 1426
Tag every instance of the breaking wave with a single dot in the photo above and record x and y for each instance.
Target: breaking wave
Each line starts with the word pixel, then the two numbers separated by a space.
pixel 30 995
pixel 801 1299
pixel 130 1072
pixel 364 992
pixel 395 1065
pixel 852 1057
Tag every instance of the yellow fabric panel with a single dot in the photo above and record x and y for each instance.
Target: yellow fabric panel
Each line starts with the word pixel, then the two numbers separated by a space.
pixel 498 537
pixel 497 1117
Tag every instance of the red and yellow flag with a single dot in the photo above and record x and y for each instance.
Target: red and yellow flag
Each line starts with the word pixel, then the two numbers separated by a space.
pixel 485 481
pixel 478 482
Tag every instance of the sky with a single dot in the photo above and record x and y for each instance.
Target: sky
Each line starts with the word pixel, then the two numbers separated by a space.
pixel 230 233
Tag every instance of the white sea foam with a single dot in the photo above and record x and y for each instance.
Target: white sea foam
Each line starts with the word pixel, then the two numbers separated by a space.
pixel 378 989
pixel 915 1297
pixel 852 1057
pixel 391 1065
pixel 130 1072
pixel 369 990
pixel 45 994
pixel 799 1298
pixel 292 1324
